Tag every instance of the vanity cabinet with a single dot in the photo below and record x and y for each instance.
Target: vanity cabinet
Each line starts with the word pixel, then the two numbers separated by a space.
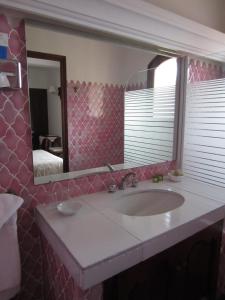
pixel 186 271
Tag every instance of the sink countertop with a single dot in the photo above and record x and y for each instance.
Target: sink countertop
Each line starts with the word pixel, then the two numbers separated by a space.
pixel 99 242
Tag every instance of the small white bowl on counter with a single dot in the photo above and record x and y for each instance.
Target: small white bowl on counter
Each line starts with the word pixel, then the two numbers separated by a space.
pixel 68 208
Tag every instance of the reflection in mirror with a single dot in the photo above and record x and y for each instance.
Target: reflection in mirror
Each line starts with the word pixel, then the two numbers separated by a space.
pixel 103 128
pixel 149 114
pixel 47 108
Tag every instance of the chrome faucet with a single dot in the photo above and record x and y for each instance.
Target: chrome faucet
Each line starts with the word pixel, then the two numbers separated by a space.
pixel 111 169
pixel 112 187
pixel 128 179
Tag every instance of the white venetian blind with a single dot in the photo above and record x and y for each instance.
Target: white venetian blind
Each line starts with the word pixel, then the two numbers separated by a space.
pixel 149 125
pixel 204 140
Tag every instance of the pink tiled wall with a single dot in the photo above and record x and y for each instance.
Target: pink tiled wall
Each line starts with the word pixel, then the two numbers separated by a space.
pixel 58 283
pixel 95 125
pixel 200 71
pixel 16 173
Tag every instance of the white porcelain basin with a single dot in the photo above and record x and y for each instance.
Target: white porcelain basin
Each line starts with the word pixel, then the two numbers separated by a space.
pixel 148 203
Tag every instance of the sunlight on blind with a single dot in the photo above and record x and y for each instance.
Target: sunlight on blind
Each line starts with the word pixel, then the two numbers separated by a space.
pixel 204 139
pixel 166 73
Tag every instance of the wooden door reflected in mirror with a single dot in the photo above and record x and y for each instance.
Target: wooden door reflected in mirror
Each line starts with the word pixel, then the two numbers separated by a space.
pixel 47 92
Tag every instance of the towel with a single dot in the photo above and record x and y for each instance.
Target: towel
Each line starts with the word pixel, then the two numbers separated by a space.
pixel 8 206
pixel 10 267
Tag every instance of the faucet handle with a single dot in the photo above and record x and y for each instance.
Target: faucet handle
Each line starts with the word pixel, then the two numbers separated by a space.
pixel 131 176
pixel 122 184
pixel 134 182
pixel 112 188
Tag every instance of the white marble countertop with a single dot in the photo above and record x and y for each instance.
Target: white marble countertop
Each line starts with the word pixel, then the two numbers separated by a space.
pixel 99 242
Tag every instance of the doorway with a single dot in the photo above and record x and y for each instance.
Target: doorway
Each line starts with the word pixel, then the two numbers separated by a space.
pixel 48 107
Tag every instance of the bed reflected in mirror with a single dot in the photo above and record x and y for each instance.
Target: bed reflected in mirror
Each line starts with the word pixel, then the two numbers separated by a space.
pixel 47 108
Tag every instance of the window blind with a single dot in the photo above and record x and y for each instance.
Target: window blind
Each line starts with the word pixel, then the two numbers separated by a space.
pixel 204 139
pixel 149 125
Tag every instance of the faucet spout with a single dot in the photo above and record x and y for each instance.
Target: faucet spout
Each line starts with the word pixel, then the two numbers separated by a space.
pixel 129 178
pixel 111 169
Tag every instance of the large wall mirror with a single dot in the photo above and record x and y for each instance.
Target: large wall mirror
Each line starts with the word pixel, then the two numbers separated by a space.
pixel 116 105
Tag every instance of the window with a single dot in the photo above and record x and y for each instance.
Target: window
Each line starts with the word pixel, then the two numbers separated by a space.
pixel 165 76
pixel 204 139
pixel 161 78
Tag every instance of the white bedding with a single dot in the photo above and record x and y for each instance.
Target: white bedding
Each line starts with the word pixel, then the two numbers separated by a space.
pixel 46 163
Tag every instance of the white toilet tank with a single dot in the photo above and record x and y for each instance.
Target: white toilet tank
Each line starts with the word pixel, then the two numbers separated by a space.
pixel 10 266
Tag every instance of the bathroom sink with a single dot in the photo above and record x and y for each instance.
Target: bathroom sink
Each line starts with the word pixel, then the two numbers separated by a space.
pixel 148 203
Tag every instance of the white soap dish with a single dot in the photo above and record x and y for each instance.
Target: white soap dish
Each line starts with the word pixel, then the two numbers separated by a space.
pixel 69 208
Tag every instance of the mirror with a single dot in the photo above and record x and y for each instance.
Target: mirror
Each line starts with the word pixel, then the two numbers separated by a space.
pixel 47 93
pixel 106 101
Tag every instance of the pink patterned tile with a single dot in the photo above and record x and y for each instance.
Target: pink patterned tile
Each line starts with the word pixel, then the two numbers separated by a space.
pixel 18 126
pixel 95 116
pixel 15 43
pixel 200 70
pixel 3 126
pixel 5 27
pixel 43 275
pixel 58 283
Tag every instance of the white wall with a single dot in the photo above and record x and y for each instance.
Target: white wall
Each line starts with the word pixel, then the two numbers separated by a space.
pixel 37 78
pixel 88 59
pixel 42 78
pixel 54 105
pixel 206 12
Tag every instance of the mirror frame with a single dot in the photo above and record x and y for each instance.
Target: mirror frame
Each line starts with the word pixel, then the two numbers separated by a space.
pixel 63 96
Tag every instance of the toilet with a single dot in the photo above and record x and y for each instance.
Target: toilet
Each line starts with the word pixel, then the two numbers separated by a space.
pixel 10 266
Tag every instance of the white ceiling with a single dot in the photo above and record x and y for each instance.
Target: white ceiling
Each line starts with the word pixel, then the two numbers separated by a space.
pixel 207 12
